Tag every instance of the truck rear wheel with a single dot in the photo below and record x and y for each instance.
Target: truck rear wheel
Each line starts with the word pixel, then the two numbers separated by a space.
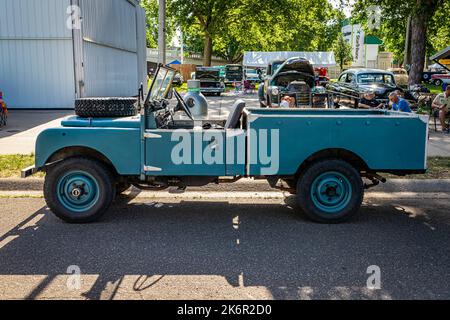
pixel 79 190
pixel 106 107
pixel 330 191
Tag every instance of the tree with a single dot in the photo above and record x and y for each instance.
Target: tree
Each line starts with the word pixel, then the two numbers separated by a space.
pixel 342 51
pixel 151 11
pixel 208 15
pixel 395 15
pixel 228 28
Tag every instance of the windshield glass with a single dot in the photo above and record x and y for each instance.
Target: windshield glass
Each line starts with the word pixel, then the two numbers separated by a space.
pixel 161 84
pixel 376 78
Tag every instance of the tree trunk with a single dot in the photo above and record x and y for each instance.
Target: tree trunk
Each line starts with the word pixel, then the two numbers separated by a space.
pixel 207 51
pixel 418 47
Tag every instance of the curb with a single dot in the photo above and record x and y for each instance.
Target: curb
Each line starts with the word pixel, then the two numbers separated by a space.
pixel 250 185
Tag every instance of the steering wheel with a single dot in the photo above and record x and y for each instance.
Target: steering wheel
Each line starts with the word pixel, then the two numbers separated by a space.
pixel 183 105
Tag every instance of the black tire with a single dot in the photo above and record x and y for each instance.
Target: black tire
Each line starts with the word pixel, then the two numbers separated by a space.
pixel 219 94
pixel 438 82
pixel 57 200
pixel 291 183
pixel 121 187
pixel 343 211
pixel 106 107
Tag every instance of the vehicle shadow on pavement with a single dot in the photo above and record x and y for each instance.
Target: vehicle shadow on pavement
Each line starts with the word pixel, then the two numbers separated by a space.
pixel 250 245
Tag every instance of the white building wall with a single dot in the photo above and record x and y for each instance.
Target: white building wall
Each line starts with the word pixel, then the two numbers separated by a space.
pixel 39 53
pixel 36 54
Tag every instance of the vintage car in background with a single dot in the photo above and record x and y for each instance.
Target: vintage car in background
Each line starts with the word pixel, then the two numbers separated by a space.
pixel 295 78
pixel 354 83
pixel 252 75
pixel 210 82
pixel 440 79
pixel 401 76
pixel 432 70
pixel 322 78
pixel 234 73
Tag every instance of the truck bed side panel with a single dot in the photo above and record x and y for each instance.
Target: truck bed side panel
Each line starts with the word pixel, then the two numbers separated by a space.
pixel 385 143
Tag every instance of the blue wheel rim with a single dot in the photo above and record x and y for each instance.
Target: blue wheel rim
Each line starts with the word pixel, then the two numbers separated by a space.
pixel 78 191
pixel 331 192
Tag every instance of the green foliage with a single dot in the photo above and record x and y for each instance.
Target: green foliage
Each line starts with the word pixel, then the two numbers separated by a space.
pixel 237 26
pixel 395 15
pixel 151 10
pixel 342 51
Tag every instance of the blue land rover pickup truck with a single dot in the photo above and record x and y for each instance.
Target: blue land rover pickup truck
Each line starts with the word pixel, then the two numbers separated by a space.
pixel 326 157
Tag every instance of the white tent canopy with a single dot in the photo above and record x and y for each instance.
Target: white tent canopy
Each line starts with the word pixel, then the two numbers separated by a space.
pixel 262 59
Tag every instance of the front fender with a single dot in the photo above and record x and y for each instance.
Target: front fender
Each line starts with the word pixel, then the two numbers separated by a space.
pixel 121 146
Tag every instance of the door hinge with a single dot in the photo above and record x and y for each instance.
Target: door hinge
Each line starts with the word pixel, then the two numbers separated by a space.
pixel 149 135
pixel 152 169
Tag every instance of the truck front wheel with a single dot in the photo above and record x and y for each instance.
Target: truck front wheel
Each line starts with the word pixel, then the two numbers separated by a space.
pixel 79 190
pixel 330 191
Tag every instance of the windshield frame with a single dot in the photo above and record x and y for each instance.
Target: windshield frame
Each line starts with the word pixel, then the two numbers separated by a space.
pixel 161 84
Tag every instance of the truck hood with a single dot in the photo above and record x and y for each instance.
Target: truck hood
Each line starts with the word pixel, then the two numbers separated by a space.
pixel 77 122
pixel 296 64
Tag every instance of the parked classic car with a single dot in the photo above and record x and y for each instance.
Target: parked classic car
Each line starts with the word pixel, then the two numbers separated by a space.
pixel 401 76
pixel 234 73
pixel 353 83
pixel 294 77
pixel 440 79
pixel 252 75
pixel 92 157
pixel 210 81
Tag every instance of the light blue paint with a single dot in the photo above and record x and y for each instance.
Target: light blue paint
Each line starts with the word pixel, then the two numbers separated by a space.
pixel 331 192
pixel 78 191
pixel 377 137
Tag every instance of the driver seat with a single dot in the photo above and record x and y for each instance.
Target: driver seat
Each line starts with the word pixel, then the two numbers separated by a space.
pixel 235 116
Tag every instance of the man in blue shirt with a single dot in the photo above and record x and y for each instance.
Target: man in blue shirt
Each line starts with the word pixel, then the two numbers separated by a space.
pixel 399 104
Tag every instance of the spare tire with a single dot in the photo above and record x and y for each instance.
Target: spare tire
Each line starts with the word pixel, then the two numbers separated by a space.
pixel 106 107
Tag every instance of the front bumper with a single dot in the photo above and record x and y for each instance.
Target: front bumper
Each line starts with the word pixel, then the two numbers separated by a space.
pixel 212 90
pixel 28 172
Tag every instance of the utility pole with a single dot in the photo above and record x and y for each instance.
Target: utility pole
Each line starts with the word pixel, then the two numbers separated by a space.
pixel 162 32
pixel 182 45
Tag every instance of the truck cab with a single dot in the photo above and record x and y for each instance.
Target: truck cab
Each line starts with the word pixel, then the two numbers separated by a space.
pixel 89 160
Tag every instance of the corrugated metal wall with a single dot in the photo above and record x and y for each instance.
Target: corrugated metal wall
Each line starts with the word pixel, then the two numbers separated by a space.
pixel 111 54
pixel 44 65
pixel 36 55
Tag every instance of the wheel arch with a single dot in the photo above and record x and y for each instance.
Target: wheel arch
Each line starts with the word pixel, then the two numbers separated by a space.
pixel 334 153
pixel 80 151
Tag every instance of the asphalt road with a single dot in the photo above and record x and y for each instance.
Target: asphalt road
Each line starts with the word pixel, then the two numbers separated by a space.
pixel 225 250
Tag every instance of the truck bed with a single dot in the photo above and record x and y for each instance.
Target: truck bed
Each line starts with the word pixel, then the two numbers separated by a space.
pixel 385 141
